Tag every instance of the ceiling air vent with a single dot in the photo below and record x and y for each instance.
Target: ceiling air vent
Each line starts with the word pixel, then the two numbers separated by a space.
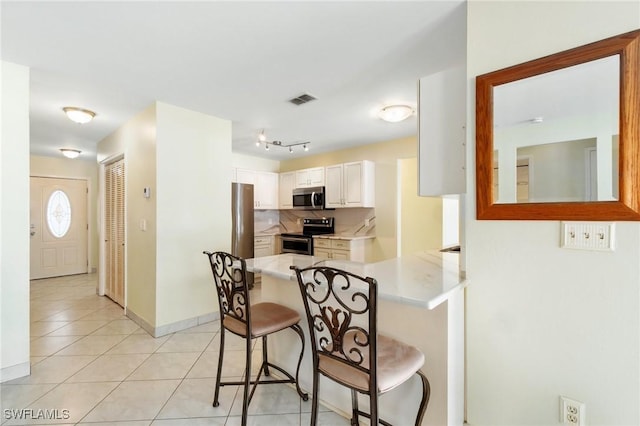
pixel 302 99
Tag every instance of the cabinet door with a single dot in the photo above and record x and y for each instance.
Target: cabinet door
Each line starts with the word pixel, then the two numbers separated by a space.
pixel 246 176
pixel 266 190
pixel 322 253
pixel 307 178
pixel 287 183
pixel 441 133
pixel 316 176
pixel 333 188
pixel 352 184
pixel 340 255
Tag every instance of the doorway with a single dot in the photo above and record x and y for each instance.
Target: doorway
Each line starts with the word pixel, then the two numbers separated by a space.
pixel 59 228
pixel 114 231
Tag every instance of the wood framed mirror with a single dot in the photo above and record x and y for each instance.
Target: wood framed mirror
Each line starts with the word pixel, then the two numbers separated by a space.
pixel 558 138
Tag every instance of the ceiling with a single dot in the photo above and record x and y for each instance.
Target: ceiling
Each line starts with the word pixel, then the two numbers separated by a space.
pixel 240 61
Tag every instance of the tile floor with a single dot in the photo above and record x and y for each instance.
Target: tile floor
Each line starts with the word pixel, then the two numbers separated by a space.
pixel 95 366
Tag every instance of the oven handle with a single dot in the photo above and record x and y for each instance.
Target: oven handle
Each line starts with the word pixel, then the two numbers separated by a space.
pixel 294 239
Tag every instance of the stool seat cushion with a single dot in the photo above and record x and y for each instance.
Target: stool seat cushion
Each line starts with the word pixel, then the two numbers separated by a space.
pixel 397 362
pixel 266 318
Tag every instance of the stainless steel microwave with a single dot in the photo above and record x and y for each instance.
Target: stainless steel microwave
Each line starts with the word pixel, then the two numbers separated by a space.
pixel 308 198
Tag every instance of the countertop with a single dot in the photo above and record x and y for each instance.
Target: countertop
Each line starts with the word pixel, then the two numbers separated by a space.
pixel 423 279
pixel 345 237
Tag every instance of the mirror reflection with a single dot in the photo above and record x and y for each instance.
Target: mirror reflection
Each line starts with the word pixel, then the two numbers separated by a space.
pixel 555 135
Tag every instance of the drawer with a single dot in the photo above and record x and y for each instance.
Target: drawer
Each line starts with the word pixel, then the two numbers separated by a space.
pixel 262 241
pixel 341 244
pixel 322 242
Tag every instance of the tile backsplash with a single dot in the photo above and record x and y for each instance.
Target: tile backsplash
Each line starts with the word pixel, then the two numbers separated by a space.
pixel 352 221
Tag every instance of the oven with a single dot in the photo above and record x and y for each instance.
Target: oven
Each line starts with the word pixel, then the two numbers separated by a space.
pixel 296 243
pixel 302 243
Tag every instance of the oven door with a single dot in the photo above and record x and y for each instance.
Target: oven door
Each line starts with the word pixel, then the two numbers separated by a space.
pixel 298 245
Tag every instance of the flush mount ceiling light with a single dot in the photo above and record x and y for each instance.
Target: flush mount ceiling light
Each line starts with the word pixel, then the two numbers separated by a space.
pixel 395 113
pixel 79 115
pixel 70 153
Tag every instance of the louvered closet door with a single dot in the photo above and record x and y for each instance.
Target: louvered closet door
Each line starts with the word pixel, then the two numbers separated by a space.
pixel 114 232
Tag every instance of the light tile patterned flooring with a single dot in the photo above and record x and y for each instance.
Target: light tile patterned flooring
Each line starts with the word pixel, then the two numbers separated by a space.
pixel 90 359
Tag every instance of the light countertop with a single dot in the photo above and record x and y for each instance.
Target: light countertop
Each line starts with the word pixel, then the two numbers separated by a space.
pixel 423 279
pixel 345 237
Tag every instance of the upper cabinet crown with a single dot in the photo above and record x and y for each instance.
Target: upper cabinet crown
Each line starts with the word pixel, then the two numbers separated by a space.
pixel 350 185
pixel 307 178
pixel 442 132
pixel 265 187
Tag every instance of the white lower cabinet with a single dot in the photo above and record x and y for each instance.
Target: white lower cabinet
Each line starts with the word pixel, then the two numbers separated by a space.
pixel 328 248
pixel 263 246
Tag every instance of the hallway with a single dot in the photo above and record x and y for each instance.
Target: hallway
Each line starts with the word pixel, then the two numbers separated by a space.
pixel 90 364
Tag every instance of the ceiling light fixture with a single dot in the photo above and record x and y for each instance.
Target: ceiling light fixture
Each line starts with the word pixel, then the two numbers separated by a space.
pixel 395 113
pixel 79 115
pixel 262 139
pixel 70 153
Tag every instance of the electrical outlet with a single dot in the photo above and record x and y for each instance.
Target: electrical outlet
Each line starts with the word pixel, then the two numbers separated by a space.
pixel 572 412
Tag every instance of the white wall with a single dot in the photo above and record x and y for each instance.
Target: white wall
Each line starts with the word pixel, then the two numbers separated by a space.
pixel 14 221
pixel 544 321
pixel 193 209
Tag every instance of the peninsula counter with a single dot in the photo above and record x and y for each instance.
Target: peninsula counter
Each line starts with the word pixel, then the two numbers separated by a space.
pixel 420 301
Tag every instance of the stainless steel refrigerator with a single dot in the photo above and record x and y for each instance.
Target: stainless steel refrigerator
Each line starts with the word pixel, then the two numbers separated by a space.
pixel 242 222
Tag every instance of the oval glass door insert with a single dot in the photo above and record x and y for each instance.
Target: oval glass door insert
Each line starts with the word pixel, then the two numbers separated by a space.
pixel 59 214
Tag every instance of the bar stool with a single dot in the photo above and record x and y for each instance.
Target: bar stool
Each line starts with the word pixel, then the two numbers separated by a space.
pixel 341 312
pixel 248 321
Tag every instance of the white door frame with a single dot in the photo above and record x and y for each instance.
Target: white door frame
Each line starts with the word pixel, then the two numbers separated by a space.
pixel 102 254
pixel 90 221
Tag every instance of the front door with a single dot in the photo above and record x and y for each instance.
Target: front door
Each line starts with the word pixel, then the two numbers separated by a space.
pixel 59 227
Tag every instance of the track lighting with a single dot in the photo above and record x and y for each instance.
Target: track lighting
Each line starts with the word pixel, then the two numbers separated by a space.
pixel 262 139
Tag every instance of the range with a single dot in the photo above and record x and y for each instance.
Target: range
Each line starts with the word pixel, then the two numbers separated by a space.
pixel 302 243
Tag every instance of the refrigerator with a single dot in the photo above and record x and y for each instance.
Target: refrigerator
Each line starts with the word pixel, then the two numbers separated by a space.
pixel 242 223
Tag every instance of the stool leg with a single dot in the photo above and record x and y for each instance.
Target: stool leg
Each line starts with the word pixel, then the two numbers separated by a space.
pixel 426 393
pixel 315 397
pixel 247 381
pixel 265 358
pixel 216 402
pixel 373 404
pixel 354 408
pixel 304 396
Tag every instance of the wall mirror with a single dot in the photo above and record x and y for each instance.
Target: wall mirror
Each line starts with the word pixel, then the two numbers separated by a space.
pixel 558 138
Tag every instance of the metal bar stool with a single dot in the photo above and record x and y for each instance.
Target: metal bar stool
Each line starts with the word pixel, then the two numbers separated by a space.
pixel 243 319
pixel 341 312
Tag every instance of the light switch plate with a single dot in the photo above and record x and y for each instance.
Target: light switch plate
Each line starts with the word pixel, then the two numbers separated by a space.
pixel 598 236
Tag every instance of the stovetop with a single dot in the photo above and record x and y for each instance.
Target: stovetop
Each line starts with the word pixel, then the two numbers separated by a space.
pixel 314 226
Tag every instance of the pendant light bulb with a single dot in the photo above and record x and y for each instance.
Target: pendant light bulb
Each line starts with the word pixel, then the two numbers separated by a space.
pixel 306 148
pixel 262 137
pixel 258 144
pixel 266 147
pixel 290 150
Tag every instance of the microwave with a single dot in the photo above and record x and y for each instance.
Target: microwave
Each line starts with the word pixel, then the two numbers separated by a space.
pixel 308 198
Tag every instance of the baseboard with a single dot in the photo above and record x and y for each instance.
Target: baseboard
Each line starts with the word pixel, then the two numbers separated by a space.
pixel 15 371
pixel 173 327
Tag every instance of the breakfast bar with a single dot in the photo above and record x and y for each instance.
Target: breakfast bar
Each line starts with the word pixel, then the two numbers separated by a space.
pixel 420 302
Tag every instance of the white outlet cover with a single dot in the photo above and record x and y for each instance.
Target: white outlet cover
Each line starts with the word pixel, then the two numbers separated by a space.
pixel 596 236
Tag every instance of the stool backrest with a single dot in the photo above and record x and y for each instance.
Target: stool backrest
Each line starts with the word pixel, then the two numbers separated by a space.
pixel 230 276
pixel 341 310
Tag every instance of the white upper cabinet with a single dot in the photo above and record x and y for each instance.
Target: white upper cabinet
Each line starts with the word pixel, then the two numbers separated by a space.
pixel 307 178
pixel 265 187
pixel 287 183
pixel 350 185
pixel 442 134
